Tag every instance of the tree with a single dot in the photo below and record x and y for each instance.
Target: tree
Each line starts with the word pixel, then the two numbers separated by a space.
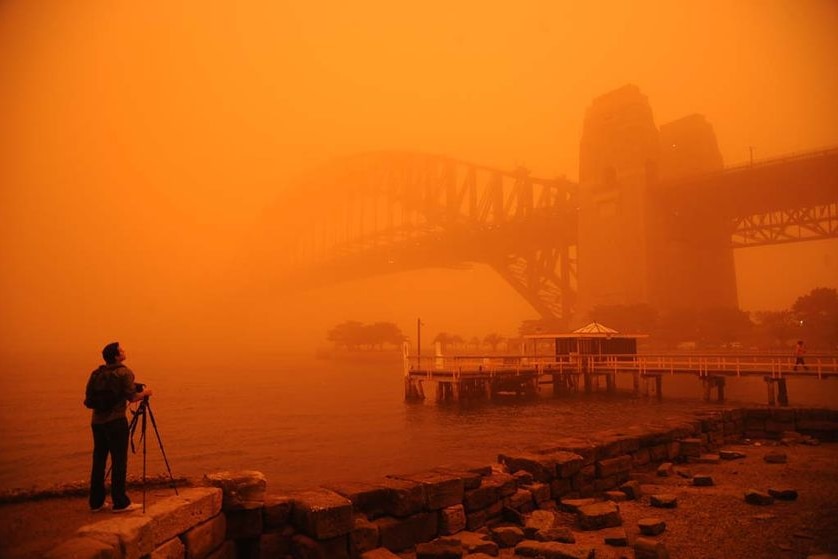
pixel 349 334
pixel 776 328
pixel 817 316
pixel 381 333
pixel 493 340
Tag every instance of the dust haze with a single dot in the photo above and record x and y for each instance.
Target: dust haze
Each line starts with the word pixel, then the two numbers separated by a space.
pixel 145 147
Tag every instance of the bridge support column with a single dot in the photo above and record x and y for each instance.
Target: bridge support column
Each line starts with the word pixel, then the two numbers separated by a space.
pixel 658 384
pixel 711 382
pixel 636 383
pixel 589 382
pixel 611 382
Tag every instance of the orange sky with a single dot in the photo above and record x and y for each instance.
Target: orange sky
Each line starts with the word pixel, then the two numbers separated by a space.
pixel 141 142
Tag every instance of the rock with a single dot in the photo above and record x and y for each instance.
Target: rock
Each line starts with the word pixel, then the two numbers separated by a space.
pixel 631 489
pixel 665 469
pixel 478 556
pixel 380 553
pixel 764 516
pixel 85 547
pixel 321 514
pixel 474 542
pixel 573 505
pixel 645 548
pixel 615 537
pixel 615 496
pixel 555 534
pixel 276 512
pixel 702 480
pixel 400 533
pixel 540 491
pixel 775 457
pixel 553 550
pixel 613 466
pixel 538 520
pixel 599 515
pixel 364 534
pixel 452 520
pixel 691 447
pixel 664 501
pixel 507 536
pixel 708 459
pixel 243 489
pixel 651 526
pixel 439 549
pixel 755 497
pixel 783 494
pixel 441 489
pixel 731 455
pixel 685 473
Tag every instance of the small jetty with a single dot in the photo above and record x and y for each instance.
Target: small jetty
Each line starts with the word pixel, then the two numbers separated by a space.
pixel 592 358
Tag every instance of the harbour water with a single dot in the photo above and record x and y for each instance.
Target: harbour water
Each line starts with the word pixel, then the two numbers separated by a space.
pixel 304 421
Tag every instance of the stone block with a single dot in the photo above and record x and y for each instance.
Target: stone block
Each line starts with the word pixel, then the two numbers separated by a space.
pixel 539 466
pixel 664 501
pixel 631 489
pixel 731 454
pixel 401 533
pixel 754 497
pixel 441 489
pixel 368 498
pixel 783 494
pixel 646 548
pixel 702 480
pixel 775 457
pixel 560 487
pixel 537 521
pixel 573 505
pixel 640 457
pixel 275 544
pixel 599 515
pixel 691 447
pixel 507 536
pixel 673 450
pixel 132 534
pixel 172 549
pixel 658 453
pixel 276 512
pixel 553 550
pixel 379 553
pixel 540 491
pixel 364 535
pixel 404 498
pixel 439 549
pixel 651 526
pixel 226 551
pixel 474 542
pixel 555 534
pixel 708 459
pixel 243 523
pixel 665 469
pixel 321 514
pixel 471 477
pixel 521 499
pixel 304 547
pixel 205 538
pixel 85 548
pixel 452 520
pixel 606 483
pixel 612 466
pixel 615 496
pixel 615 537
pixel 176 514
pixel 241 489
pixel 522 477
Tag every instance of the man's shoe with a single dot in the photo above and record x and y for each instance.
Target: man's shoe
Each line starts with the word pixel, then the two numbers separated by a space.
pixel 100 508
pixel 129 508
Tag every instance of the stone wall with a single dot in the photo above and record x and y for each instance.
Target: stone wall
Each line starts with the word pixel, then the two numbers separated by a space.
pixel 232 515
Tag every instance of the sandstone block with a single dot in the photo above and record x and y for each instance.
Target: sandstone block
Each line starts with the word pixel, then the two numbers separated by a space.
pixel 243 523
pixel 276 512
pixel 439 549
pixel 175 515
pixel 645 548
pixel 691 447
pixel 702 480
pixel 615 496
pixel 665 469
pixel 606 483
pixel 473 542
pixel 555 534
pixel 400 533
pixel 641 457
pixel 615 537
pixel 520 500
pixel 305 547
pixel 452 520
pixel 775 457
pixel 275 544
pixel 783 494
pixel 539 466
pixel 226 551
pixel 507 536
pixel 631 489
pixel 368 498
pixel 404 498
pixel 205 538
pixel 708 459
pixel 553 550
pixel 658 452
pixel 364 535
pixel 599 515
pixel 523 477
pixel 754 497
pixel 441 489
pixel 540 491
pixel 321 514
pixel 133 534
pixel 172 549
pixel 471 477
pixel 573 505
pixel 538 520
pixel 664 501
pixel 651 526
pixel 560 487
pixel 731 454
pixel 379 553
pixel 243 489
pixel 673 450
pixel 85 548
pixel 613 466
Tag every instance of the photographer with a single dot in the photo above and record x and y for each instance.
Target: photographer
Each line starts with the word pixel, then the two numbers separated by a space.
pixel 109 390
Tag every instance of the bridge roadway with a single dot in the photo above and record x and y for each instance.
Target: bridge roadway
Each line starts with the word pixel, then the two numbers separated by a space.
pixel 468 377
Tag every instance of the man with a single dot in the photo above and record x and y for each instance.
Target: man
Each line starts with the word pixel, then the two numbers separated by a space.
pixel 799 352
pixel 112 382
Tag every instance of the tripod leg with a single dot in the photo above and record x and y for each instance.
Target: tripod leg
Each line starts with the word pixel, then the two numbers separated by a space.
pixel 144 454
pixel 162 450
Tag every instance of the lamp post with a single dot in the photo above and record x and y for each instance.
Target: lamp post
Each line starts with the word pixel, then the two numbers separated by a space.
pixel 418 343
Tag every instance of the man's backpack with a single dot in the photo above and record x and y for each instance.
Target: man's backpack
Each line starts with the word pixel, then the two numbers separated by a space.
pixel 103 392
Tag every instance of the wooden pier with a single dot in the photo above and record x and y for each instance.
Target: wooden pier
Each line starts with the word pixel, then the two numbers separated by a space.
pixel 487 377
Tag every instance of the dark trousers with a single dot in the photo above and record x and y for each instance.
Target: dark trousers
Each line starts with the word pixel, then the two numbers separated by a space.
pixel 110 438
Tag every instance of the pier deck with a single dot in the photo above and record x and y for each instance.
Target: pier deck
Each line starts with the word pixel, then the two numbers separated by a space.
pixel 459 377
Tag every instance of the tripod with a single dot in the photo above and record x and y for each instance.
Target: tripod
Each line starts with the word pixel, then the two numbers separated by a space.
pixel 143 411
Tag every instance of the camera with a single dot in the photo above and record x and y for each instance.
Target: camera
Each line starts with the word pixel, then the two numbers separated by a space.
pixel 139 387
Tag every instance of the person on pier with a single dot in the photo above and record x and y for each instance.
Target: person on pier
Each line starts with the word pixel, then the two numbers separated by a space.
pixel 799 352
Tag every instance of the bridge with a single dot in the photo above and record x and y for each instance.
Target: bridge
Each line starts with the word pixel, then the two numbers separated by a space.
pixel 654 218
